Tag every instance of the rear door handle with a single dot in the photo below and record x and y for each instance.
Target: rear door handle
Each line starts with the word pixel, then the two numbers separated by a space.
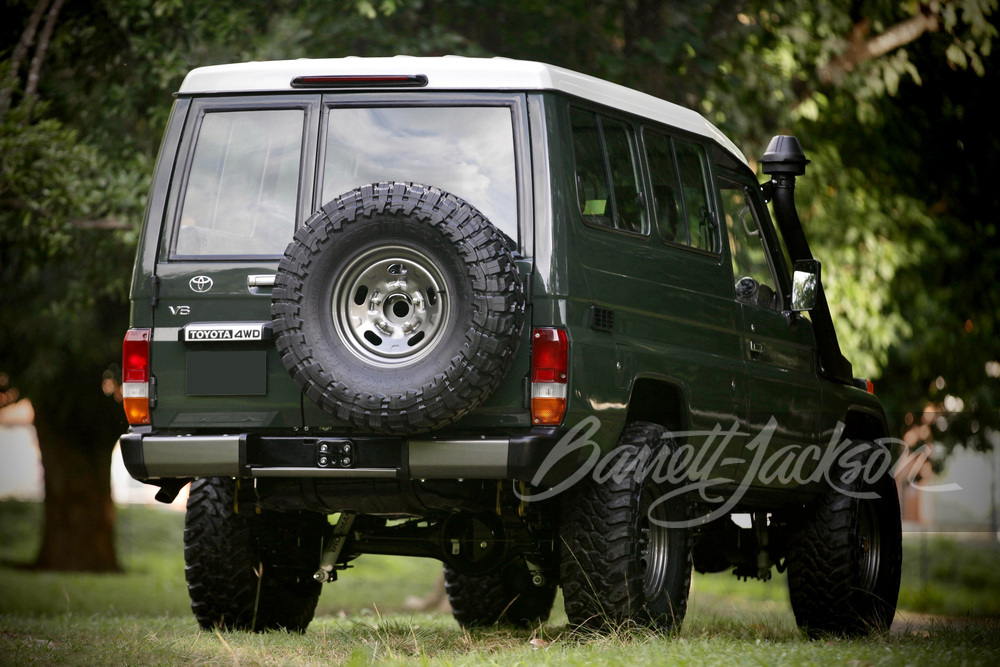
pixel 257 283
pixel 756 348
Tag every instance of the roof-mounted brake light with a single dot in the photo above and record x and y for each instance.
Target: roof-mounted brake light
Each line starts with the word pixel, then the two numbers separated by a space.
pixel 360 81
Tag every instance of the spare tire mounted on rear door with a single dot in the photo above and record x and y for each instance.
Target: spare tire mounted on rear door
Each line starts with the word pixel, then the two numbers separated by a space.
pixel 397 307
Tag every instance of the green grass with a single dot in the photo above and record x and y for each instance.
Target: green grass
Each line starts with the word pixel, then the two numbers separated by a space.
pixel 142 616
pixel 951 577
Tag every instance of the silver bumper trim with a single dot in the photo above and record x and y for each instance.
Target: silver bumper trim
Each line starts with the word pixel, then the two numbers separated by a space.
pixel 193 456
pixel 225 456
pixel 469 459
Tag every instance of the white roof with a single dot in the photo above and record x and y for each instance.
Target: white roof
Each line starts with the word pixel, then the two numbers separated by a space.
pixel 454 73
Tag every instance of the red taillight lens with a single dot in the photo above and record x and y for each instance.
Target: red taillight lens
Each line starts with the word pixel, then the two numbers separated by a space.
pixel 135 356
pixel 135 375
pixel 549 355
pixel 549 371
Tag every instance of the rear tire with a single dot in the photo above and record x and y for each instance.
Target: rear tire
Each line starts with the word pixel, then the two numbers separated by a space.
pixel 618 566
pixel 505 598
pixel 249 572
pixel 844 562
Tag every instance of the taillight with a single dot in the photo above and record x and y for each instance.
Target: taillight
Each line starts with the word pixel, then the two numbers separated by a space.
pixel 549 371
pixel 135 376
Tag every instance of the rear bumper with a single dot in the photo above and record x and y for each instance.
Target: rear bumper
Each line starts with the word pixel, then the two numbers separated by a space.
pixel 151 457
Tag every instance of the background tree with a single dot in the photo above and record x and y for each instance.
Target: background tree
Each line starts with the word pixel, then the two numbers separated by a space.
pixel 886 96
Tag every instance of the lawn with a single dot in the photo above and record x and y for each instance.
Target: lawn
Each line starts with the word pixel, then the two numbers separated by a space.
pixel 142 616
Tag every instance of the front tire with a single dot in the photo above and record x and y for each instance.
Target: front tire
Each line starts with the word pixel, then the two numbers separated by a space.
pixel 249 572
pixel 618 565
pixel 844 562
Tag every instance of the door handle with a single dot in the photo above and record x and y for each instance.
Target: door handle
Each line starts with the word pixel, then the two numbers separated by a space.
pixel 261 280
pixel 258 283
pixel 756 348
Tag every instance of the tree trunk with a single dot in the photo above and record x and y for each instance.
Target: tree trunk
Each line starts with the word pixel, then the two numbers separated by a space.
pixel 19 54
pixel 79 531
pixel 35 71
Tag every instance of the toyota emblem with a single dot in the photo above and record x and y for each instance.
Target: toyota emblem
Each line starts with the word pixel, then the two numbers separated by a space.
pixel 200 284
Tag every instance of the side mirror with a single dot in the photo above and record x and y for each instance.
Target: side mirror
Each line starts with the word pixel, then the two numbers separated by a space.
pixel 805 285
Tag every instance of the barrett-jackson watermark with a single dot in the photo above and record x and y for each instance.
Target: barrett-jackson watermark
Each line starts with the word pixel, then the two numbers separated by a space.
pixel 684 471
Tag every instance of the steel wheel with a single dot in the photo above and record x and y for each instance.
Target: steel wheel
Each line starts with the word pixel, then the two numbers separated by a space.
pixel 869 546
pixel 390 306
pixel 654 544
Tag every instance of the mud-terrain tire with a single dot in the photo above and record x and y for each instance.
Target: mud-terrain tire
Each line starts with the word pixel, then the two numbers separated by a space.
pixel 844 561
pixel 397 308
pixel 506 598
pixel 249 573
pixel 618 567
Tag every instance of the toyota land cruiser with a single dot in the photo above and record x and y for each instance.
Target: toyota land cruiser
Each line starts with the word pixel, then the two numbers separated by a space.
pixel 527 322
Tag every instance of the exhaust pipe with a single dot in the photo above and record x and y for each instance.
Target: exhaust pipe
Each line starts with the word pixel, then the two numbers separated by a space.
pixel 783 161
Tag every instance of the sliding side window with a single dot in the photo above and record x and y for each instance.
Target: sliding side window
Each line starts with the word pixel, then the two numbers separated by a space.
pixel 679 176
pixel 608 185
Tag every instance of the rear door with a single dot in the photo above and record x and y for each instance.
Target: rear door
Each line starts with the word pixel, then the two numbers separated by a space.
pixel 243 173
pixel 471 145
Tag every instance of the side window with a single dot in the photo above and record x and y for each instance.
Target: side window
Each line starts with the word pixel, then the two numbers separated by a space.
pixel 620 145
pixel 667 203
pixel 242 185
pixel 693 170
pixel 607 176
pixel 593 193
pixel 755 282
pixel 679 178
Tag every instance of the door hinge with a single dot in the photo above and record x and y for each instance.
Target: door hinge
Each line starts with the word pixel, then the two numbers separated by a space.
pixel 154 291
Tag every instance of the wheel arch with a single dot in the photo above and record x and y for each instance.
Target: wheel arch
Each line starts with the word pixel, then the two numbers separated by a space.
pixel 864 424
pixel 658 400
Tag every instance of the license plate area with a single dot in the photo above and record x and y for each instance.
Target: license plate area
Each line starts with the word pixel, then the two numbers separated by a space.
pixel 226 373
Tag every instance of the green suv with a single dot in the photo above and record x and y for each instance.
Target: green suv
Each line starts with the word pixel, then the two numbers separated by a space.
pixel 530 323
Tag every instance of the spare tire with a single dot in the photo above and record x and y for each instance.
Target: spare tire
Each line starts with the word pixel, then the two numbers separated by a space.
pixel 397 307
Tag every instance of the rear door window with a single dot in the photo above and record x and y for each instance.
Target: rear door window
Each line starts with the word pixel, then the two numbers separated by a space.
pixel 467 151
pixel 242 185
